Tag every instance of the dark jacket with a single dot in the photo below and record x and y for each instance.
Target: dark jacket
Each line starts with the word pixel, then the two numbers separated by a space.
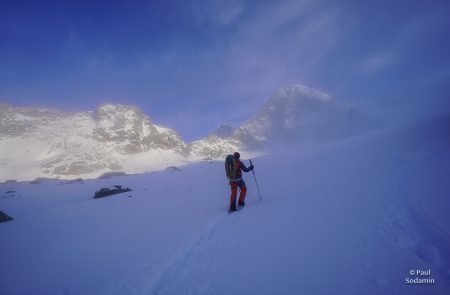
pixel 239 168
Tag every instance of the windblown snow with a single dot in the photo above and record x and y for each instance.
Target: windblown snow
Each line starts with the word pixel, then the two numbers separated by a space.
pixel 350 216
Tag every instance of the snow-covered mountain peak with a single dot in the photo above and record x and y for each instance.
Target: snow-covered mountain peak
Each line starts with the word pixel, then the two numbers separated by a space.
pixel 130 131
pixel 294 113
pixel 117 108
pixel 297 98
pixel 47 143
pixel 299 113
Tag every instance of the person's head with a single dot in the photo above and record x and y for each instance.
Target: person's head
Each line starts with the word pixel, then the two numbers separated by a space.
pixel 237 155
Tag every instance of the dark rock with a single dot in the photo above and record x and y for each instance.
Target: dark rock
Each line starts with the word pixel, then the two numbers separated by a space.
pixel 79 180
pixel 172 169
pixel 109 191
pixel 4 217
pixel 39 180
pixel 76 180
pixel 10 192
pixel 108 175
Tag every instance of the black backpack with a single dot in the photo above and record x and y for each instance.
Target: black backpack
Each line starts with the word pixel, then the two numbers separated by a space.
pixel 230 166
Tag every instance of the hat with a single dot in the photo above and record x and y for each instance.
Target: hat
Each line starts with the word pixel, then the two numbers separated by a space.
pixel 237 155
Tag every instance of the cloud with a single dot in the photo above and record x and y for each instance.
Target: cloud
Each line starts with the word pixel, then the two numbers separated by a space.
pixel 280 44
pixel 274 44
pixel 246 56
pixel 217 12
pixel 79 55
pixel 377 62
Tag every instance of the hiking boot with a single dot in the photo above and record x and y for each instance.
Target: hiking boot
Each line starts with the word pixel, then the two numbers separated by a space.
pixel 241 203
pixel 232 208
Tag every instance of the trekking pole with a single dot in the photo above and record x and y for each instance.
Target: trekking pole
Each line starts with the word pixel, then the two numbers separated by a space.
pixel 255 180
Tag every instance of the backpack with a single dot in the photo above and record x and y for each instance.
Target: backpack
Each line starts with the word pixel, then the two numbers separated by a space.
pixel 230 166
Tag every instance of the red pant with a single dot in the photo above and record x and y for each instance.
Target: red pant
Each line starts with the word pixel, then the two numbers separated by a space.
pixel 234 187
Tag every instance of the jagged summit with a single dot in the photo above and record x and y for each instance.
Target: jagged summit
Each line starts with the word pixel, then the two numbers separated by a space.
pixel 297 113
pixel 113 108
pixel 297 99
pixel 55 144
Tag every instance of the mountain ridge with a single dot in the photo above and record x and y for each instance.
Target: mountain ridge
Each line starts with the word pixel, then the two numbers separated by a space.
pixel 40 142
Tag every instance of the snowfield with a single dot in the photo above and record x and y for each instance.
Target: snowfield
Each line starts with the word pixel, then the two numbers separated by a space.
pixel 354 216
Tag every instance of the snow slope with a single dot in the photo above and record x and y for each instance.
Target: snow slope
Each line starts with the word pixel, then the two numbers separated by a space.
pixel 347 217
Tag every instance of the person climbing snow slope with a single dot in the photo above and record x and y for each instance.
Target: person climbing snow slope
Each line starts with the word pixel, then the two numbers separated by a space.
pixel 234 168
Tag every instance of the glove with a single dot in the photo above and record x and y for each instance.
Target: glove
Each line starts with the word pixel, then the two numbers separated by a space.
pixel 251 168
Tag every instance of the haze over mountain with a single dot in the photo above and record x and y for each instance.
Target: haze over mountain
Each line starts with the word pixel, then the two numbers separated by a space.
pixel 38 142
pixel 297 113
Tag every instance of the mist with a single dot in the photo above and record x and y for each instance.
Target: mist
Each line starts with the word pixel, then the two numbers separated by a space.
pixel 194 66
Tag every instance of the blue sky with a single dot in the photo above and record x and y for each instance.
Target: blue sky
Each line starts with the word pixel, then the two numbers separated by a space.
pixel 192 65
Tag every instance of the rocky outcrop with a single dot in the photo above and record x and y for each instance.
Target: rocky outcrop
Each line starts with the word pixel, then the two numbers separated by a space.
pixel 5 217
pixel 109 191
